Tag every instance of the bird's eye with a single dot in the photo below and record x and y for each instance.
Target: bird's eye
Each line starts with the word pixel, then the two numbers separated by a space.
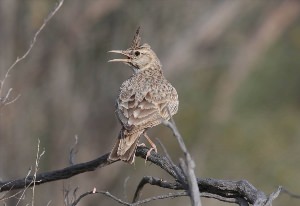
pixel 137 53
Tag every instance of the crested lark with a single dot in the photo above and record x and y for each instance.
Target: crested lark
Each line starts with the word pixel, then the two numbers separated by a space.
pixel 144 99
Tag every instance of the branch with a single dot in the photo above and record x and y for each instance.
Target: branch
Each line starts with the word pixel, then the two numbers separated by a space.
pixel 108 194
pixel 176 186
pixel 6 100
pixel 187 164
pixel 154 181
pixel 56 174
pixel 222 188
pixel 283 190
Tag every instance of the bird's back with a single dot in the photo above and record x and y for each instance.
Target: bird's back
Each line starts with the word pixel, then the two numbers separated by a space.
pixel 144 99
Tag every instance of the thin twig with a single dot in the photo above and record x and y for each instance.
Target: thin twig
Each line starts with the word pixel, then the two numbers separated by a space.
pixel 293 195
pixel 3 198
pixel 272 197
pixel 237 200
pixel 160 197
pixel 154 181
pixel 187 164
pixel 224 188
pixel 49 203
pixel 69 199
pixel 125 187
pixel 37 161
pixel 180 177
pixel 25 186
pixel 108 194
pixel 73 151
pixel 66 195
pixel 19 59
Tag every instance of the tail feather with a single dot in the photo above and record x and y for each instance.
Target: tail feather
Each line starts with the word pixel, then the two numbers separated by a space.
pixel 125 147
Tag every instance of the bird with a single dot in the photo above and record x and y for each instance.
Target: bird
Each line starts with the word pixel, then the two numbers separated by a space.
pixel 145 100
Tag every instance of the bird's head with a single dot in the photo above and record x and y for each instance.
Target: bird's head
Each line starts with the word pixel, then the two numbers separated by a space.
pixel 138 56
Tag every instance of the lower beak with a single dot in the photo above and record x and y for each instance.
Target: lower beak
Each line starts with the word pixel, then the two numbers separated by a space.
pixel 119 60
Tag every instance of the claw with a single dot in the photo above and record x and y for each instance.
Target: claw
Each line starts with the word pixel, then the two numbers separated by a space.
pixel 149 153
pixel 153 147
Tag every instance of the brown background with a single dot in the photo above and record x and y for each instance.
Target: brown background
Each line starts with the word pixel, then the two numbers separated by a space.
pixel 235 64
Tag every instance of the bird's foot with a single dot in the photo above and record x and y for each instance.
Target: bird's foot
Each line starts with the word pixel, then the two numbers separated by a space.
pixel 149 152
pixel 153 147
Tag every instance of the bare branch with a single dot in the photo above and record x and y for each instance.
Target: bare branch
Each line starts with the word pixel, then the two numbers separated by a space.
pixel 226 189
pixel 108 194
pixel 187 164
pixel 154 181
pixel 180 176
pixel 66 192
pixel 160 197
pixel 36 168
pixel 125 187
pixel 283 190
pixel 73 151
pixel 272 197
pixel 56 174
pixel 177 186
pixel 4 101
pixel 98 192
pixel 239 201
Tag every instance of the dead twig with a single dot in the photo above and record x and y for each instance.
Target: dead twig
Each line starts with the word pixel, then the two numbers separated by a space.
pixel 180 175
pixel 154 181
pixel 108 194
pixel 220 189
pixel 36 168
pixel 7 100
pixel 283 190
pixel 186 164
pixel 73 151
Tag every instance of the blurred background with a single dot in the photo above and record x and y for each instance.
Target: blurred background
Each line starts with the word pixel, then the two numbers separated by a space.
pixel 235 65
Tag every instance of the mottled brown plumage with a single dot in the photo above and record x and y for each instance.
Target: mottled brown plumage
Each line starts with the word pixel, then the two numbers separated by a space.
pixel 144 99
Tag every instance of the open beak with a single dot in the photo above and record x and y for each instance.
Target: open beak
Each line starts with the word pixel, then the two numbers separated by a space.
pixel 127 60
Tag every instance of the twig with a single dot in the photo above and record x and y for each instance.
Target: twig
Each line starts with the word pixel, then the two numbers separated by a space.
pixel 33 182
pixel 56 174
pixel 154 181
pixel 36 168
pixel 3 198
pixel 67 201
pixel 272 197
pixel 187 165
pixel 125 187
pixel 108 194
pixel 4 101
pixel 177 186
pixel 283 190
pixel 73 151
pixel 226 189
pixel 160 197
pixel 238 200
pixel 66 195
pixel 180 176
pixel 25 187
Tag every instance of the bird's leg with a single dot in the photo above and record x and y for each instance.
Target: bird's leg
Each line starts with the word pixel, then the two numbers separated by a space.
pixel 153 146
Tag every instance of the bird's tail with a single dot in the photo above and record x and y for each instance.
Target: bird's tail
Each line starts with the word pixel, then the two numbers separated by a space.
pixel 125 147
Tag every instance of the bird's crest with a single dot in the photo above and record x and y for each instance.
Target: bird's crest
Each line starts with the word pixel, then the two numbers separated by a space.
pixel 136 42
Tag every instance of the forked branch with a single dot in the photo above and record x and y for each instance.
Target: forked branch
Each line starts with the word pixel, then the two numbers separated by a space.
pixel 218 189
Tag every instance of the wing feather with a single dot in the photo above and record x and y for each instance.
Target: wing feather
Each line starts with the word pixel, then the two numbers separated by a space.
pixel 143 109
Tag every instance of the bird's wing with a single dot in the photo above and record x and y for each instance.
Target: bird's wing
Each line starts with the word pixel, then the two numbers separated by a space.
pixel 147 111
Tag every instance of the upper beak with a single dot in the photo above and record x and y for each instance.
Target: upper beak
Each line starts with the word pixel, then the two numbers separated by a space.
pixel 127 60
